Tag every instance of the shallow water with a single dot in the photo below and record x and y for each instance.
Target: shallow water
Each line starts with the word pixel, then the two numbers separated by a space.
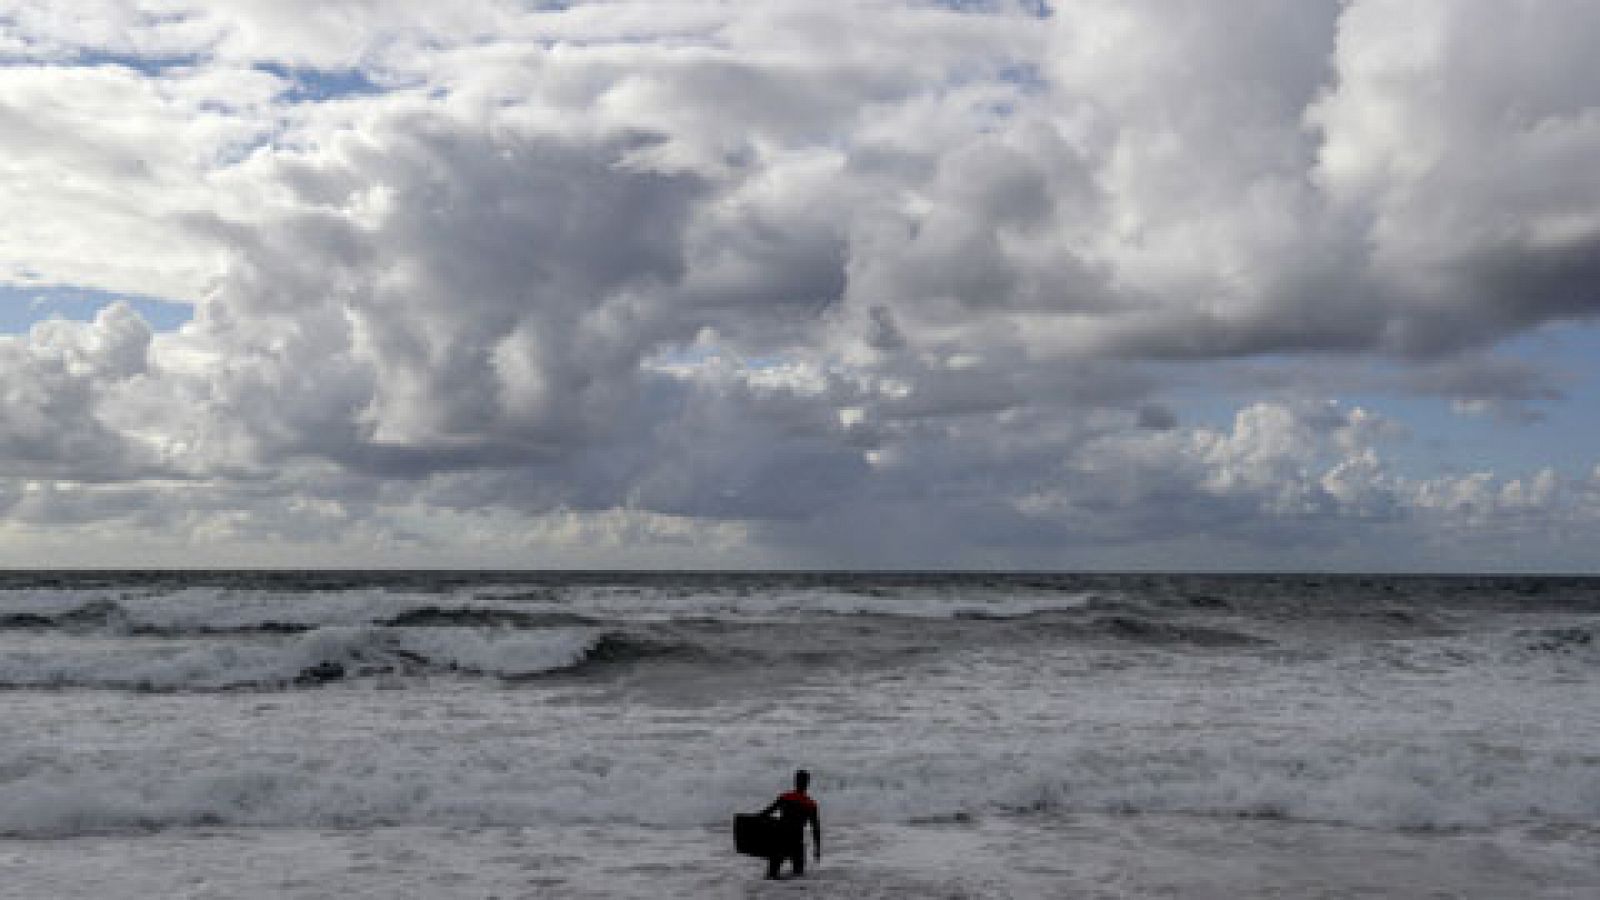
pixel 1073 856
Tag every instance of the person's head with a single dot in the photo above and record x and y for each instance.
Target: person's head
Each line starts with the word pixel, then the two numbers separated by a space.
pixel 802 780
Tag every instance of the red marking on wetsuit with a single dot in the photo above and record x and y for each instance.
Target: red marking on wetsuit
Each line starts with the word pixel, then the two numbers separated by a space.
pixel 797 797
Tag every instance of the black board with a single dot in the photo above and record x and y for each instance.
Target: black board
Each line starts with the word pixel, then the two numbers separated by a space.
pixel 756 835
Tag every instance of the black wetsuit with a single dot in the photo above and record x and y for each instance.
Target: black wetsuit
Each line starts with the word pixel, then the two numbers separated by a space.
pixel 795 810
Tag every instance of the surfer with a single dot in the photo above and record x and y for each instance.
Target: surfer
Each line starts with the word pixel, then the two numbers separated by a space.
pixel 795 809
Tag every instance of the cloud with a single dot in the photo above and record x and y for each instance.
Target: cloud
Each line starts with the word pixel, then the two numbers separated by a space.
pixel 1454 130
pixel 58 377
pixel 457 296
pixel 870 281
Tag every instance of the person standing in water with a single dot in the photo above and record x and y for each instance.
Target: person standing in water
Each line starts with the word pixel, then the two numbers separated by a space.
pixel 795 809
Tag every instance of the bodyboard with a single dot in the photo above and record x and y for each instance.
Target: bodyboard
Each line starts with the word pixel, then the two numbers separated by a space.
pixel 757 835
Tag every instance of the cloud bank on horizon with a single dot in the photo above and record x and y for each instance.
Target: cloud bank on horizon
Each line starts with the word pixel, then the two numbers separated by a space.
pixel 864 283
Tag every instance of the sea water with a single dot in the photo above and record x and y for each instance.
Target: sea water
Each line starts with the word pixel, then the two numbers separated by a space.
pixel 429 735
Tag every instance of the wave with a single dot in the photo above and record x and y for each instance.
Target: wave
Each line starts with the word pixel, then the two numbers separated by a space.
pixel 211 610
pixel 206 639
pixel 1432 785
pixel 1577 640
pixel 1436 786
pixel 95 612
pixel 329 654
pixel 1149 631
pixel 656 605
pixel 441 616
pixel 1558 644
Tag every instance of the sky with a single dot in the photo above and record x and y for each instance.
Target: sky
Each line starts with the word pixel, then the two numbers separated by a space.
pixel 1085 284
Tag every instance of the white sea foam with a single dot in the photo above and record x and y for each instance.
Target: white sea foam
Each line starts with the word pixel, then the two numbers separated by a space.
pixel 498 651
pixel 211 608
pixel 1436 785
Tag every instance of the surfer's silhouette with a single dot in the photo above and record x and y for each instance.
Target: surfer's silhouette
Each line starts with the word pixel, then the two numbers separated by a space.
pixel 795 809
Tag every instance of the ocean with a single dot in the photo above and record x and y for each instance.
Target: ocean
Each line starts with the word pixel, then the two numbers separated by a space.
pixel 442 735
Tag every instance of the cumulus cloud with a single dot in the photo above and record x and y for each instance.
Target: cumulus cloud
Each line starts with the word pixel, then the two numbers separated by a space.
pixel 1455 130
pixel 868 282
pixel 59 377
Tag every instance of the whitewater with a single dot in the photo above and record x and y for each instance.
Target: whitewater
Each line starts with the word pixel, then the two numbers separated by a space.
pixel 251 735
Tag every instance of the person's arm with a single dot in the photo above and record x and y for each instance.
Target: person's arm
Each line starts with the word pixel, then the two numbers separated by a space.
pixel 816 832
pixel 770 809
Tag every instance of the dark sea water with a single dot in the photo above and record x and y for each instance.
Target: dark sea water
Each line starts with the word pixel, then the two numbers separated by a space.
pixel 1442 733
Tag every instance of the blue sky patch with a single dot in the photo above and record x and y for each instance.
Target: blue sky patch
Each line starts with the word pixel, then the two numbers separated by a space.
pixel 146 65
pixel 23 305
pixel 1555 431
pixel 320 85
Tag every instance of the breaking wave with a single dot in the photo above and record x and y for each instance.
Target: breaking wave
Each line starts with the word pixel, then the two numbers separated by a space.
pixel 207 610
pixel 325 655
pixel 1429 787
